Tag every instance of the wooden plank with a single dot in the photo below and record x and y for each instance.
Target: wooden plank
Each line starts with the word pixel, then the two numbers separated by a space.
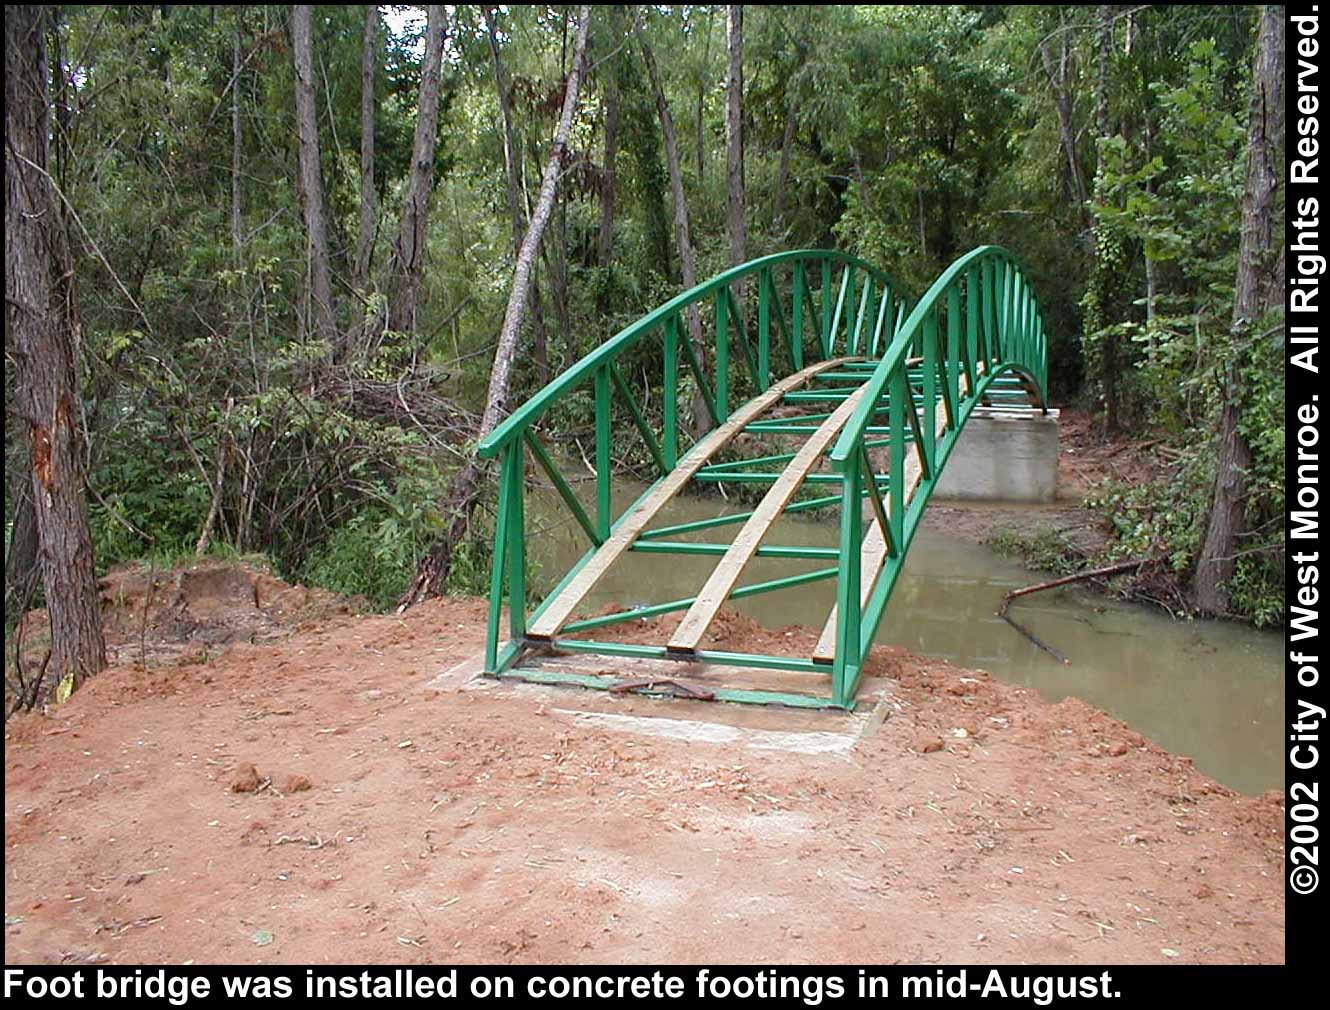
pixel 874 554
pixel 553 616
pixel 726 573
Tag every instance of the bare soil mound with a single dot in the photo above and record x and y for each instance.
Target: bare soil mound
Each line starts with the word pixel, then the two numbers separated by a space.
pixel 152 616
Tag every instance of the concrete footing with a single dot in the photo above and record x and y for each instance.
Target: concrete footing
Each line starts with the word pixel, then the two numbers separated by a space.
pixel 1003 455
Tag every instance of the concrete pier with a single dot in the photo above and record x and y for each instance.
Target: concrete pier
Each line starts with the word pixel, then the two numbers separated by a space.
pixel 1004 454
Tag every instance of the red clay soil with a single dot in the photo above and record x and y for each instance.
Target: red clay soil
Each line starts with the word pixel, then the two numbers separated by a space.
pixel 312 800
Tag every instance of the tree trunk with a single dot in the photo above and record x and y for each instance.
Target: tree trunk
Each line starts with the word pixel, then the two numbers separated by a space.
pixel 21 563
pixel 734 145
pixel 239 307
pixel 369 203
pixel 496 407
pixel 432 573
pixel 1104 53
pixel 510 153
pixel 1103 282
pixel 608 179
pixel 1062 103
pixel 682 231
pixel 1256 292
pixel 511 162
pixel 699 120
pixel 783 172
pixel 309 178
pixel 41 314
pixel 237 140
pixel 409 250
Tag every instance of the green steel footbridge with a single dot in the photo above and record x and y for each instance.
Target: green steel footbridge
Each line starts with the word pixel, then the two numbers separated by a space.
pixel 814 352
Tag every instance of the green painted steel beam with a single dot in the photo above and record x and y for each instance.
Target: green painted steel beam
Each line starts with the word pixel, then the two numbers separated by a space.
pixel 633 650
pixel 764 551
pixel 561 486
pixel 782 457
pixel 749 477
pixel 670 606
pixel 798 429
pixel 733 695
pixel 585 369
pixel 788 418
pixel 808 505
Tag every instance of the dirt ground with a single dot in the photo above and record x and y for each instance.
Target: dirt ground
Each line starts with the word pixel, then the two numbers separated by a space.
pixel 393 809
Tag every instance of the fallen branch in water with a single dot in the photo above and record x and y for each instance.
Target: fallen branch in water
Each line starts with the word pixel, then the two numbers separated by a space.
pixel 1093 573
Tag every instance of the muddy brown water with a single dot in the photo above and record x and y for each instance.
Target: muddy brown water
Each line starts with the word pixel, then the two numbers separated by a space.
pixel 1210 690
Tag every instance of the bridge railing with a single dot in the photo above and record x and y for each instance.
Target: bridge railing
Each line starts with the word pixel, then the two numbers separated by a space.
pixel 809 305
pixel 979 322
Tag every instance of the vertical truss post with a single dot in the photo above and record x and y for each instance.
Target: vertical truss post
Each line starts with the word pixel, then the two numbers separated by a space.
pixel 880 338
pixel 953 354
pixel 847 300
pixel 671 422
pixel 990 313
pixel 1007 317
pixel 516 542
pixel 845 670
pixel 1027 329
pixel 797 337
pixel 900 399
pixel 824 334
pixel 722 354
pixel 764 292
pixel 604 444
pixel 971 324
pixel 930 386
pixel 499 559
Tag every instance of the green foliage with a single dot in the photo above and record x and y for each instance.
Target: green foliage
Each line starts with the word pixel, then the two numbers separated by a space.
pixel 372 554
pixel 1159 518
pixel 1175 202
pixel 1045 548
pixel 914 132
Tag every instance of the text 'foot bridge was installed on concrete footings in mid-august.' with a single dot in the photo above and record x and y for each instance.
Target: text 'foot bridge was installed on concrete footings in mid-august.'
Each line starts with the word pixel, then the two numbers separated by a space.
pixel 811 346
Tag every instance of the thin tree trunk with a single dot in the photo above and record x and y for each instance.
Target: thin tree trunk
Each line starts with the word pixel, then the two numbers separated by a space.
pixel 1151 282
pixel 496 406
pixel 510 153
pixel 734 145
pixel 699 120
pixel 511 162
pixel 432 573
pixel 682 231
pixel 239 302
pixel 309 177
pixel 21 562
pixel 369 202
pixel 1062 104
pixel 608 179
pixel 1101 280
pixel 409 250
pixel 1256 292
pixel 218 482
pixel 783 172
pixel 237 138
pixel 1105 53
pixel 41 313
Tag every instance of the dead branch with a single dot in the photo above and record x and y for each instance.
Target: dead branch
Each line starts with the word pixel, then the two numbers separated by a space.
pixel 1092 573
